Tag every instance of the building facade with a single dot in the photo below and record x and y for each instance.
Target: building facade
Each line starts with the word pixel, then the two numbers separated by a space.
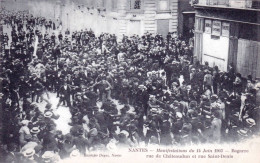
pixel 120 17
pixel 228 32
pixel 136 17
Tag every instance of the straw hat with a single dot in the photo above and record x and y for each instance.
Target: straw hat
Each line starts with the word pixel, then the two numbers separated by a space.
pixel 125 133
pixel 242 133
pixel 48 114
pixel 179 115
pixel 48 155
pixel 29 152
pixel 35 130
pixel 250 122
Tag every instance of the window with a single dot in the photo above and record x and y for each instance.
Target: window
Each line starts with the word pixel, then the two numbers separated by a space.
pixel 135 4
pixel 163 5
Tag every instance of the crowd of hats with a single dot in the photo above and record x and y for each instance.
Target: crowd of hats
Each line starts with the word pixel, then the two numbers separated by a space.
pixel 141 73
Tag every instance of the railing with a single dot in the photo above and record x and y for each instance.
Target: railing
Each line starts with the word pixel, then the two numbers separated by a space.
pixel 252 4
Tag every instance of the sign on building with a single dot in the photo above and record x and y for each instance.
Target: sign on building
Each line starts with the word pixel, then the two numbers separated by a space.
pixel 216 28
pixel 225 29
pixel 208 24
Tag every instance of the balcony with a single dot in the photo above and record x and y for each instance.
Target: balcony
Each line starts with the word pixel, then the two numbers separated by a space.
pixel 236 4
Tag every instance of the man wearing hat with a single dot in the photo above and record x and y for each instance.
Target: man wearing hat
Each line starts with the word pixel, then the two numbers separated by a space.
pixel 208 79
pixel 50 113
pixel 47 157
pixel 34 132
pixel 92 134
pixel 65 92
pixel 177 124
pixel 53 38
pixel 80 141
pixel 250 127
pixel 200 79
pixel 152 127
pixel 29 156
pixel 104 89
pixel 60 36
pixel 237 84
pixel 242 134
pixel 192 77
pixel 24 132
pixel 49 142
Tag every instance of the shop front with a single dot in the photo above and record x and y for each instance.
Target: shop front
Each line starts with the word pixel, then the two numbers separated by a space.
pixel 216 44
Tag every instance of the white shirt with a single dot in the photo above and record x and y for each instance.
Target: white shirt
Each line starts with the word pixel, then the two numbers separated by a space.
pixel 24 130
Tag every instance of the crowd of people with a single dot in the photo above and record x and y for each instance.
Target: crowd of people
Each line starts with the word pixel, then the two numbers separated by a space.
pixel 168 100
